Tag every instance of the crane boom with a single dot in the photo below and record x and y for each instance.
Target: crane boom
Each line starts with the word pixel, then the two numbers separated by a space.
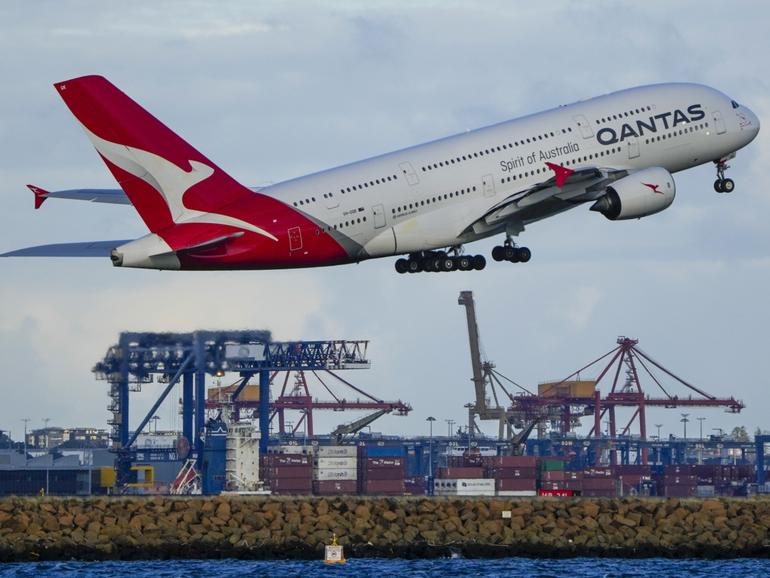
pixel 466 299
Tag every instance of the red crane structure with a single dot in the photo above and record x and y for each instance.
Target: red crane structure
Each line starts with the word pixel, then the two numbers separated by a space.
pixel 295 396
pixel 565 401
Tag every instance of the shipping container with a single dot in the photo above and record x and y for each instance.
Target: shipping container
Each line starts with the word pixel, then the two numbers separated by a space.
pixel 516 493
pixel 374 463
pixel 598 493
pixel 291 485
pixel 384 451
pixel 597 473
pixel 290 449
pixel 567 389
pixel 336 474
pixel 374 487
pixel 325 463
pixel 573 475
pixel 460 473
pixel 551 465
pixel 285 460
pixel 510 484
pixel 680 480
pixel 509 461
pixel 464 487
pixel 598 484
pixel 511 472
pixel 337 451
pixel 553 476
pixel 705 491
pixel 679 491
pixel 681 470
pixel 415 486
pixel 555 493
pixel 332 487
pixel 286 472
pixel 395 473
pixel 632 470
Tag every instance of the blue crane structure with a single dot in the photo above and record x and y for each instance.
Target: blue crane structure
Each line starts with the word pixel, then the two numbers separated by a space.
pixel 141 358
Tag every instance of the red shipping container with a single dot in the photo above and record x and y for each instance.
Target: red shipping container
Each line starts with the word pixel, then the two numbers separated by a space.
pixel 330 487
pixel 506 472
pixel 515 484
pixel 680 480
pixel 287 472
pixel 553 476
pixel 556 493
pixel 374 463
pixel 457 473
pixel 679 491
pixel 383 474
pixel 509 461
pixel 680 470
pixel 570 475
pixel 632 470
pixel 574 485
pixel 383 487
pixel 291 484
pixel 598 493
pixel 285 460
pixel 598 484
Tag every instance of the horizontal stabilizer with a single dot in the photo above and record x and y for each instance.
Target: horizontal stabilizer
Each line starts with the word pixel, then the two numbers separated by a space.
pixel 113 196
pixel 87 249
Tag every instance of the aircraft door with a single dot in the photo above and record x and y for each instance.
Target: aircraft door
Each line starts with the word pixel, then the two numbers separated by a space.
pixel 583 125
pixel 633 147
pixel 719 122
pixel 407 170
pixel 378 213
pixel 488 185
pixel 295 239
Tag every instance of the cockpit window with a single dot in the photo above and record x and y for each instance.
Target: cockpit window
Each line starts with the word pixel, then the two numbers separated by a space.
pixel 735 104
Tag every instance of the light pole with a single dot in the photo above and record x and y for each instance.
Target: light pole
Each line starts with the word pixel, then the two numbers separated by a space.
pixel 470 407
pixel 450 423
pixel 658 425
pixel 26 420
pixel 430 420
pixel 684 420
pixel 700 419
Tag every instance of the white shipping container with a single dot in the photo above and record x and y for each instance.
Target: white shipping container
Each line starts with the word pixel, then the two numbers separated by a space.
pixel 289 449
pixel 333 463
pixel 521 493
pixel 464 487
pixel 335 474
pixel 337 451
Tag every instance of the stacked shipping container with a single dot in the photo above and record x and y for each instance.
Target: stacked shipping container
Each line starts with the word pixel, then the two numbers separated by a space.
pixel 335 470
pixel 381 470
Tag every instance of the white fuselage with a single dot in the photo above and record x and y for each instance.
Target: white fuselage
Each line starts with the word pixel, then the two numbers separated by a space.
pixel 426 196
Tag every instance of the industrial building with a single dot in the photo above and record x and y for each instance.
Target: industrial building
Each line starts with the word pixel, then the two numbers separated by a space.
pixel 256 433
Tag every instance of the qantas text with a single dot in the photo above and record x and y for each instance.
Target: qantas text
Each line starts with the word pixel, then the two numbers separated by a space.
pixel 666 120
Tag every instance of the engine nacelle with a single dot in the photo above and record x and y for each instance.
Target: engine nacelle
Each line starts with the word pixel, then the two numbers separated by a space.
pixel 640 194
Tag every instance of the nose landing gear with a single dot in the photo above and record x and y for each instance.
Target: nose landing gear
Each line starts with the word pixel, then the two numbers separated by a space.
pixel 722 184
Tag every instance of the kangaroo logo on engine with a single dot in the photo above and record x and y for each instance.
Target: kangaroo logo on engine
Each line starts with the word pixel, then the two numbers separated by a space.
pixel 664 121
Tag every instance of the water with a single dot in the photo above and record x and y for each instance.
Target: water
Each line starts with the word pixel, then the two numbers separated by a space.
pixel 379 568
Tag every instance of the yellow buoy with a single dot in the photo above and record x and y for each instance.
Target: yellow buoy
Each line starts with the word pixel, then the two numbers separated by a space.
pixel 334 554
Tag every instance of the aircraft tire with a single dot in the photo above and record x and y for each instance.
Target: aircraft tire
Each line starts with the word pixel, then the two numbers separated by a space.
pixel 479 262
pixel 523 254
pixel 402 265
pixel 498 253
pixel 719 186
pixel 728 185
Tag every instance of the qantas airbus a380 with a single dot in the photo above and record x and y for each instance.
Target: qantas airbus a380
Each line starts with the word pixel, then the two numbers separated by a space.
pixel 616 152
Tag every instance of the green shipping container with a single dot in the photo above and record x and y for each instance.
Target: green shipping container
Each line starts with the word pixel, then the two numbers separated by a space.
pixel 551 465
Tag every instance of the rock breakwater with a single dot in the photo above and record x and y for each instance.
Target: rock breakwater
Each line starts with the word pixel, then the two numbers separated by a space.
pixel 298 527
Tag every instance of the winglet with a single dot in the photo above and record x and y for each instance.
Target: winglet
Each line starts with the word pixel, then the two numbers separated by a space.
pixel 561 173
pixel 40 195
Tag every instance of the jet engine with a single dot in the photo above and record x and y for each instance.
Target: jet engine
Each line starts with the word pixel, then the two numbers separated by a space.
pixel 639 194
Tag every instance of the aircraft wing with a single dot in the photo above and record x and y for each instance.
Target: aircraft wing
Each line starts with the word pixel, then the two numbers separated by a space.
pixel 565 189
pixel 87 249
pixel 115 196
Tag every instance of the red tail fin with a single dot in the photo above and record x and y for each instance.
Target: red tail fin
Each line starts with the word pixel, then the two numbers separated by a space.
pixel 166 179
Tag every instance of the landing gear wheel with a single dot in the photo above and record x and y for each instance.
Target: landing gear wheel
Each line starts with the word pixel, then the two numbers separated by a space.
pixel 402 265
pixel 509 253
pixel 523 254
pixel 447 264
pixel 728 186
pixel 414 266
pixel 464 263
pixel 719 186
pixel 479 262
pixel 498 253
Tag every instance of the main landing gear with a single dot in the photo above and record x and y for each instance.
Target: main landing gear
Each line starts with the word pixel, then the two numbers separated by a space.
pixel 440 261
pixel 722 184
pixel 508 251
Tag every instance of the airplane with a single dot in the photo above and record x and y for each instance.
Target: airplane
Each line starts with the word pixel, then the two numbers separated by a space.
pixel 616 152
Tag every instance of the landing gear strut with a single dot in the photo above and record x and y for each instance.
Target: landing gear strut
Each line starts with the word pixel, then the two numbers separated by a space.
pixel 722 184
pixel 440 262
pixel 508 251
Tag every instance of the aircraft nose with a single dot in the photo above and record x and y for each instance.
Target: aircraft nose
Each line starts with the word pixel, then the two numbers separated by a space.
pixel 752 122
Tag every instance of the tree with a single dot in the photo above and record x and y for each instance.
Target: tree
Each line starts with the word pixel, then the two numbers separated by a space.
pixel 740 434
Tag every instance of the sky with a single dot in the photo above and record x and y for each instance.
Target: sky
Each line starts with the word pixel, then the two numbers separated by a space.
pixel 274 90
